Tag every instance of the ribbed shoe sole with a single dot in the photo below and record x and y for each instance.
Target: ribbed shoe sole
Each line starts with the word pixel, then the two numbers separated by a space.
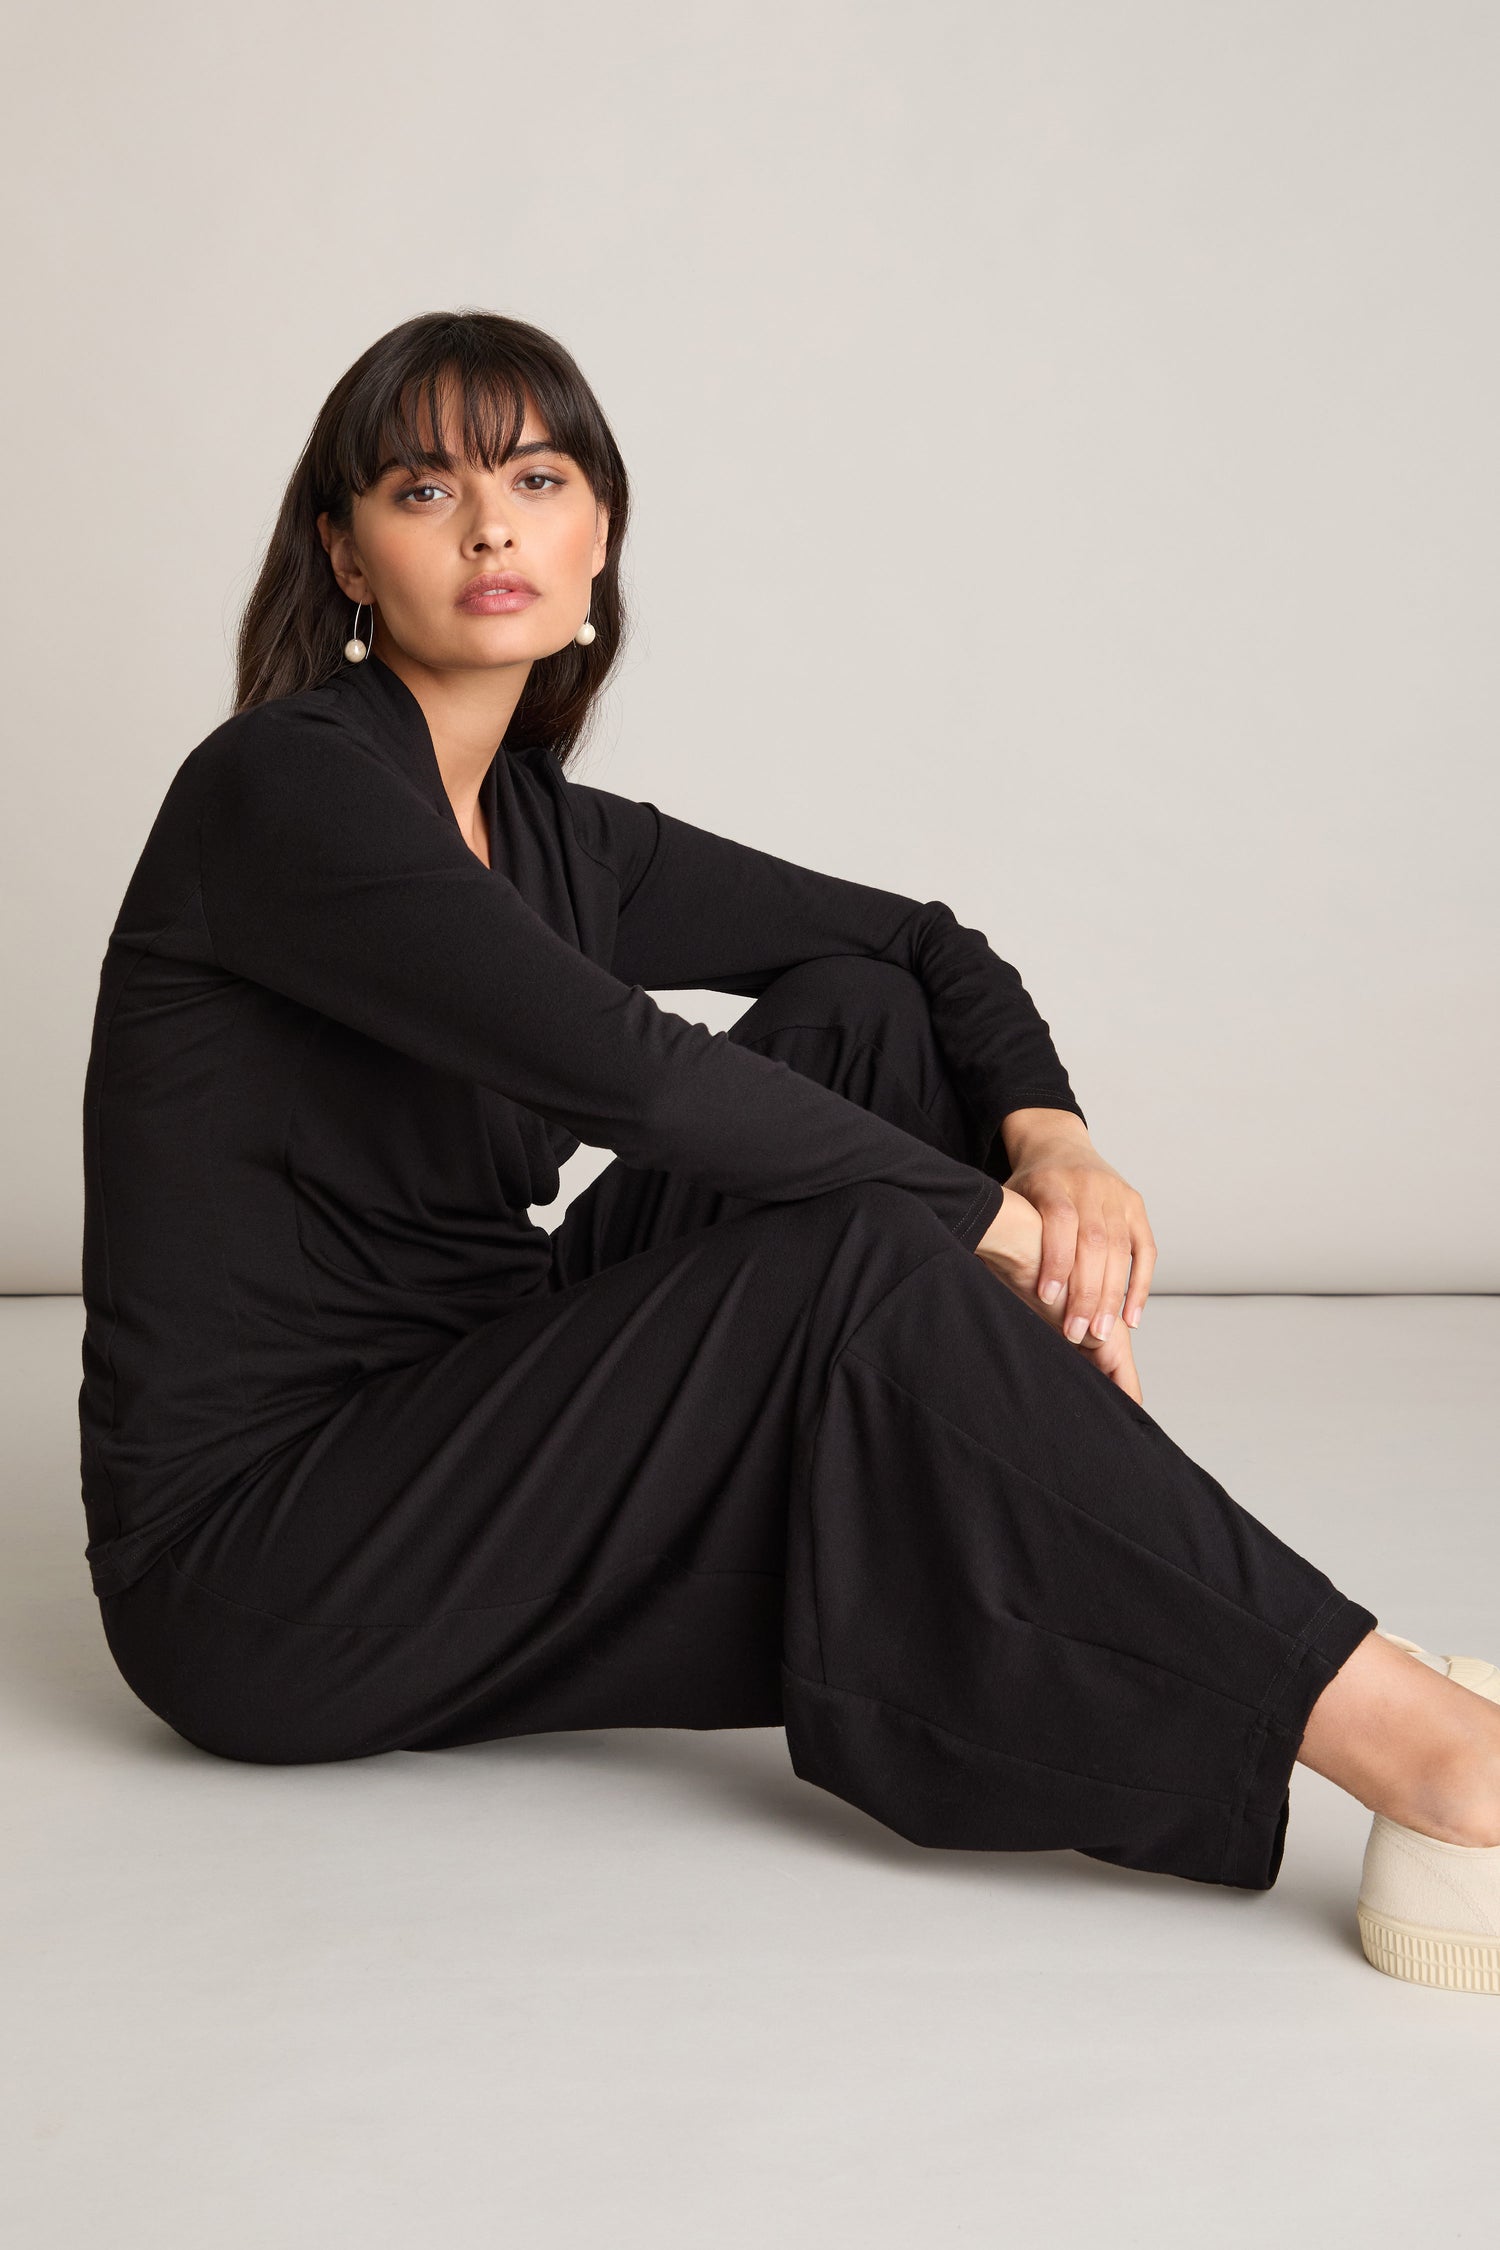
pixel 1404 1949
pixel 1452 1960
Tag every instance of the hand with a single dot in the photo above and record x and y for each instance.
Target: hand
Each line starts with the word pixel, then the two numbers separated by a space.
pixel 1115 1357
pixel 1012 1249
pixel 1095 1232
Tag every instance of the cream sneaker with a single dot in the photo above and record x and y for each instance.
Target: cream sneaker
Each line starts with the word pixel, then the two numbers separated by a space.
pixel 1429 1911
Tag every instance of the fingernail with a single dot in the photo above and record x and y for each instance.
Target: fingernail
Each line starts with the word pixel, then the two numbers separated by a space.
pixel 1075 1328
pixel 1050 1292
pixel 1134 1316
pixel 1103 1325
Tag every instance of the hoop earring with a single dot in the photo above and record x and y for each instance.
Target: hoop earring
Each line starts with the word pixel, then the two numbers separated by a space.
pixel 354 648
pixel 585 632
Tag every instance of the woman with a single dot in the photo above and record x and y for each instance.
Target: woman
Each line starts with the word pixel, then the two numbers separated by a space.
pixel 755 1437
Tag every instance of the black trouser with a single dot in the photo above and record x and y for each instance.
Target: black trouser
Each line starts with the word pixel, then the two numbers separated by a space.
pixel 802 1463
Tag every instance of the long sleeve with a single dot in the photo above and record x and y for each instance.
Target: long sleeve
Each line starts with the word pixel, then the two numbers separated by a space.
pixel 327 879
pixel 700 910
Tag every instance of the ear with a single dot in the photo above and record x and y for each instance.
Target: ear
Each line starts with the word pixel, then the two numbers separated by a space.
pixel 340 550
pixel 601 537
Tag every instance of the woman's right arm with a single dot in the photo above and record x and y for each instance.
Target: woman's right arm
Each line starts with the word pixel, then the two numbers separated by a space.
pixel 329 879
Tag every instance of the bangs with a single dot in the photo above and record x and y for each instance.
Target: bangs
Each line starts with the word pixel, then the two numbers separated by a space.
pixel 482 386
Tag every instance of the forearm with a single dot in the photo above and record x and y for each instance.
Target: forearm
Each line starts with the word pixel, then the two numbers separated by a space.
pixel 699 909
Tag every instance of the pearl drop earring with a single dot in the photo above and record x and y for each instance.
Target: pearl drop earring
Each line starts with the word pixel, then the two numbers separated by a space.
pixel 354 648
pixel 585 632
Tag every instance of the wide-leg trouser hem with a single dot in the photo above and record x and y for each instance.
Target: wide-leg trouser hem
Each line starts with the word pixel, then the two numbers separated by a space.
pixel 945 1791
pixel 1259 1811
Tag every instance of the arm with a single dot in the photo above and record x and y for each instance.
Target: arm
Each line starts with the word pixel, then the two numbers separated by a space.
pixel 698 909
pixel 326 878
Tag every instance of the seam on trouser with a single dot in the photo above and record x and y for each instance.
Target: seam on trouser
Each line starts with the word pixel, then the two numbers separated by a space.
pixel 1165 1561
pixel 1019 1757
pixel 1132 1656
pixel 417 1624
pixel 844 1345
pixel 420 1624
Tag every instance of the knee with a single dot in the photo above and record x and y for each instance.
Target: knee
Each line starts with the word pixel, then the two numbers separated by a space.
pixel 227 1681
pixel 848 990
pixel 244 1729
pixel 864 1027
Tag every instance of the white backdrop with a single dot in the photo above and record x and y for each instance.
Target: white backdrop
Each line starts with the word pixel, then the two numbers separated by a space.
pixel 1064 442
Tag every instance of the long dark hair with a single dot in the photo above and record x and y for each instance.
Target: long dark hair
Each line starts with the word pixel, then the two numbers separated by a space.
pixel 387 407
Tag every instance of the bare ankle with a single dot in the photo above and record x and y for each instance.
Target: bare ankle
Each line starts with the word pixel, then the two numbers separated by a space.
pixel 1459 1803
pixel 1409 1743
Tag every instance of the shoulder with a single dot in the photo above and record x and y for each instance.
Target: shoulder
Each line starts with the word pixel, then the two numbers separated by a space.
pixel 298 786
pixel 288 749
pixel 273 730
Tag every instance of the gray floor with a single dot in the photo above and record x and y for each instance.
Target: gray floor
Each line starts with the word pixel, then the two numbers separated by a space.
pixel 648 1988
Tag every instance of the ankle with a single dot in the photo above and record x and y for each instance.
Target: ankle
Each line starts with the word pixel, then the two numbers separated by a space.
pixel 1458 1802
pixel 1476 1834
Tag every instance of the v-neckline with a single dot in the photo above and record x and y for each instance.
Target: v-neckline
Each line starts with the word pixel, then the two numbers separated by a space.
pixel 408 725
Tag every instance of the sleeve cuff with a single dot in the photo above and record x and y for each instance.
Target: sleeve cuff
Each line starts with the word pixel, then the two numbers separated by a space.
pixel 980 1216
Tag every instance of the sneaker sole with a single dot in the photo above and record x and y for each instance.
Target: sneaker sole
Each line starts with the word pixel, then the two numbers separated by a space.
pixel 1445 1958
pixel 1423 1956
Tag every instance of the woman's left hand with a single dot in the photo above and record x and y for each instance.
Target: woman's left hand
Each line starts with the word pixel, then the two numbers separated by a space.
pixel 1095 1234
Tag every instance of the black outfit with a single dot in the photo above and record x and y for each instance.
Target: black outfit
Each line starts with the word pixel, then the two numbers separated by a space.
pixel 372 1461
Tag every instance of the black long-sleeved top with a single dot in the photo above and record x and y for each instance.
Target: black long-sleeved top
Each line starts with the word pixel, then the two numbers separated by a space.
pixel 335 1058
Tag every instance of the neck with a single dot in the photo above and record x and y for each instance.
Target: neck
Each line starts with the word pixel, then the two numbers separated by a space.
pixel 467 713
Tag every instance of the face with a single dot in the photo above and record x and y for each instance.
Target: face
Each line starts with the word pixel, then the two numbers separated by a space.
pixel 424 547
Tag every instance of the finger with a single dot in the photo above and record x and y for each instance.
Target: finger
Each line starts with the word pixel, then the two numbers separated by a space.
pixel 1123 1370
pixel 1144 1245
pixel 1114 1362
pixel 1087 1276
pixel 1116 1274
pixel 1059 1235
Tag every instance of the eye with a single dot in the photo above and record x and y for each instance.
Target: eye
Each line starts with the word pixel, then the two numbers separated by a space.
pixel 412 490
pixel 542 476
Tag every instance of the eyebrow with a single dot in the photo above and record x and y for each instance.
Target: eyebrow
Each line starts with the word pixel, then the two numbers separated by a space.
pixel 430 460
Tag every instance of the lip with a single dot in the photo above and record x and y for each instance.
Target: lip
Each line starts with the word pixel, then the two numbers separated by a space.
pixel 495 592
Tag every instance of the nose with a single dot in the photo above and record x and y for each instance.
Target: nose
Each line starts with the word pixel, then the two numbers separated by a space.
pixel 488 529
